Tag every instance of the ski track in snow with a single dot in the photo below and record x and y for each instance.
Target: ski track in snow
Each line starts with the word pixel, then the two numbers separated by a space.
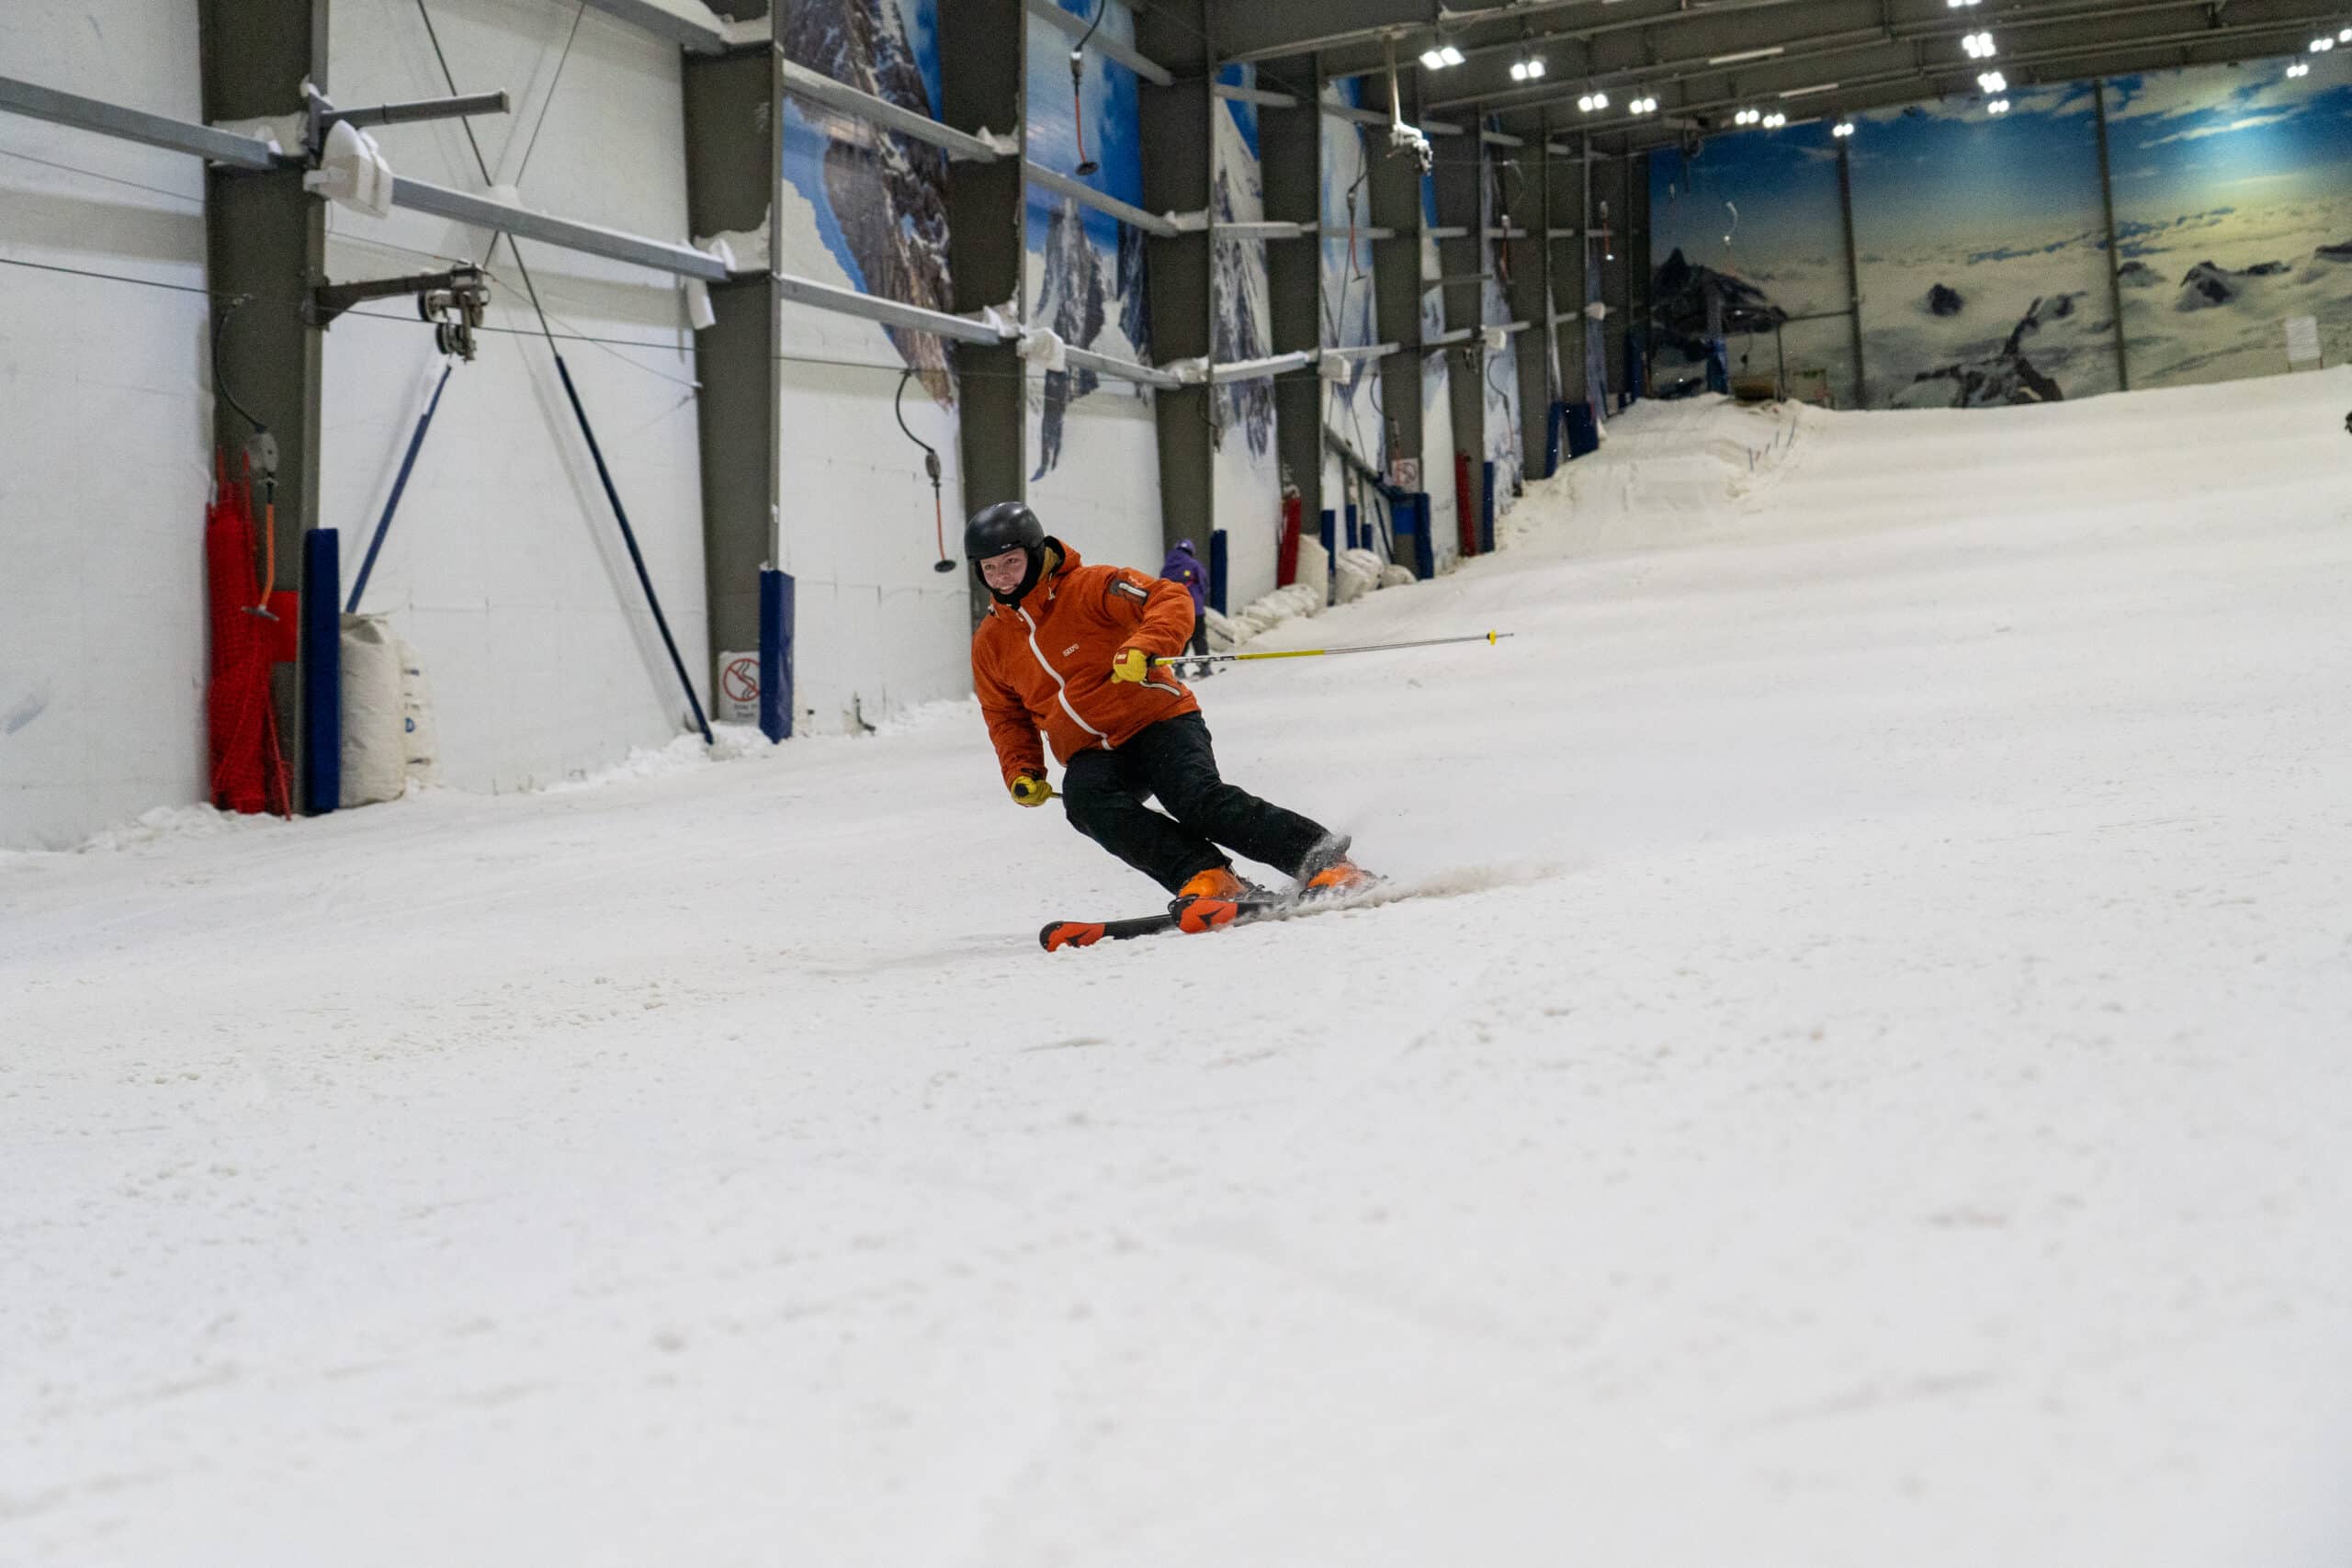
pixel 1871 1089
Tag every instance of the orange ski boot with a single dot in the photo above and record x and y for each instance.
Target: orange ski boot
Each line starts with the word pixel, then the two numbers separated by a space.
pixel 1339 879
pixel 1213 899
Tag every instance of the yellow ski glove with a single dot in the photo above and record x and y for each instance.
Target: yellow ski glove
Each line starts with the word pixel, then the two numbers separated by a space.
pixel 1132 664
pixel 1030 789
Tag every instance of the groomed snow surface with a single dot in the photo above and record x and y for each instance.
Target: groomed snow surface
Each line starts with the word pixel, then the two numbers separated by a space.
pixel 1866 1084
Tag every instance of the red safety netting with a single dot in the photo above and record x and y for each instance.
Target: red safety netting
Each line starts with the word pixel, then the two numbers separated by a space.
pixel 248 765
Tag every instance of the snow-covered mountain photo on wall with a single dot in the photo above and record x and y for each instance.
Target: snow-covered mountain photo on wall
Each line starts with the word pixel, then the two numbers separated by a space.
pixel 1754 219
pixel 1085 268
pixel 1981 248
pixel 2233 215
pixel 865 207
pixel 1349 320
pixel 1500 208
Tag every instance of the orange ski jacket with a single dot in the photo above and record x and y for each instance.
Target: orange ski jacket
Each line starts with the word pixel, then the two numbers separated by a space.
pixel 1045 666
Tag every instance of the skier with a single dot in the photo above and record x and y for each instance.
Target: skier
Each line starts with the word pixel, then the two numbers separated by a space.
pixel 1182 567
pixel 1067 651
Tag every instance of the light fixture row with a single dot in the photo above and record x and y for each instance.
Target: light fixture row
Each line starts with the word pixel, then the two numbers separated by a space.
pixel 1980 45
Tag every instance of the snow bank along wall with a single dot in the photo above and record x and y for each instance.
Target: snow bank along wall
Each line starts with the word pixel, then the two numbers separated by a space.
pixel 1981 243
pixel 504 567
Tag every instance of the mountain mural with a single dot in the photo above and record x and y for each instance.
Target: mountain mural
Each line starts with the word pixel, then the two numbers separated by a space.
pixel 886 193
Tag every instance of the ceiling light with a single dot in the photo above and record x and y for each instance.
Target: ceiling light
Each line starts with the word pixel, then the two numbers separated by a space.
pixel 1437 56
pixel 1843 128
pixel 1526 70
pixel 1993 81
pixel 1961 4
pixel 1980 45
pixel 1449 54
pixel 1747 54
pixel 2321 45
pixel 1774 120
pixel 1999 106
pixel 2345 36
pixel 2299 69
pixel 1433 61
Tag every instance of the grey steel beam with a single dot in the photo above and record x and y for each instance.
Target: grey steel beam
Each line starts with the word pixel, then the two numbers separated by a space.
pixel 817 87
pixel 1125 54
pixel 1123 369
pixel 414 113
pixel 1177 135
pixel 674 21
pixel 983 58
pixel 1290 151
pixel 2114 263
pixel 223 147
pixel 1396 186
pixel 1085 195
pixel 266 253
pixel 480 211
pixel 1853 268
pixel 1462 212
pixel 1530 293
pixel 732 175
pixel 889 312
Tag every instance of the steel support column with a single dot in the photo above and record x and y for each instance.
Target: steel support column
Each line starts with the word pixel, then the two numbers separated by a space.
pixel 1290 148
pixel 264 251
pixel 1853 270
pixel 983 63
pixel 1462 204
pixel 1529 205
pixel 1396 186
pixel 733 169
pixel 1177 173
pixel 2114 263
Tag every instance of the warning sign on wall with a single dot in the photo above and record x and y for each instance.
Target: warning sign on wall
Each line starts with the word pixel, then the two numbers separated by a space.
pixel 1404 473
pixel 738 688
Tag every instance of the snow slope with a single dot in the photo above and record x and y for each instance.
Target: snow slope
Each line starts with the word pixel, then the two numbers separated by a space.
pixel 1866 1085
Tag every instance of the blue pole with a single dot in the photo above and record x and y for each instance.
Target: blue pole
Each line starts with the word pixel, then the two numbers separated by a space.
pixel 1487 509
pixel 645 578
pixel 392 501
pixel 321 668
pixel 1216 570
pixel 776 616
pixel 1330 556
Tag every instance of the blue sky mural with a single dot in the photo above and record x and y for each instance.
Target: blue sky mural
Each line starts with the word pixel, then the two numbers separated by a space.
pixel 1109 108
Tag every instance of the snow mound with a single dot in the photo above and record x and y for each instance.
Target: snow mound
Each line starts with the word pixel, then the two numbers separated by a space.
pixel 1668 472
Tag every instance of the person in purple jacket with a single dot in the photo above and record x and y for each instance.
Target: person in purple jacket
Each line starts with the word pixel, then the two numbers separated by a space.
pixel 1183 566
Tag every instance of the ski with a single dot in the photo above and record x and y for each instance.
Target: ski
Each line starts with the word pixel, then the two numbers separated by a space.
pixel 1059 934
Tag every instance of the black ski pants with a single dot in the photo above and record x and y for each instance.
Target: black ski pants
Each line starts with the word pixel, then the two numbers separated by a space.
pixel 1104 792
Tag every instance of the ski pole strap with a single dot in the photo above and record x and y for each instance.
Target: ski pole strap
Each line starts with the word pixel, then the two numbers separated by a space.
pixel 1326 652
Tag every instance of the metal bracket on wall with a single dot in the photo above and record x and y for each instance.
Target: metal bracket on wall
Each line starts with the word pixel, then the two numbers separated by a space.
pixel 454 301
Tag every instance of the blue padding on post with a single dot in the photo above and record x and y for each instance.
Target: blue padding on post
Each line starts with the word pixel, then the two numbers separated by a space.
pixel 1330 556
pixel 1487 509
pixel 1216 570
pixel 1355 534
pixel 322 651
pixel 1553 427
pixel 1584 431
pixel 777 608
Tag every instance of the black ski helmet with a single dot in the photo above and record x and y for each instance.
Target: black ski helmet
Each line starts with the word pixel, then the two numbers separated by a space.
pixel 1007 526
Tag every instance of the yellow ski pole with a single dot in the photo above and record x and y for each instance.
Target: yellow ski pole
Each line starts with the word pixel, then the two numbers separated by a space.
pixel 1326 652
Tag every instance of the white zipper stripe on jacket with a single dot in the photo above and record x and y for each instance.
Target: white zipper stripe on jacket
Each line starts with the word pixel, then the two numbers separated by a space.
pixel 1061 687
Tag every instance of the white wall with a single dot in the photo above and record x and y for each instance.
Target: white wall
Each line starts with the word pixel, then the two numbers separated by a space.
pixel 1103 498
pixel 105 397
pixel 504 565
pixel 877 628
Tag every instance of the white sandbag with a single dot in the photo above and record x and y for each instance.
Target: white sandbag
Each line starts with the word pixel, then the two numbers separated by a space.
pixel 1314 575
pixel 1224 636
pixel 422 742
pixel 374 756
pixel 1396 574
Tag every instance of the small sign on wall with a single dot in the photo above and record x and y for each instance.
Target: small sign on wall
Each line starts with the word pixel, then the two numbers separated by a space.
pixel 738 688
pixel 2302 340
pixel 1404 473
